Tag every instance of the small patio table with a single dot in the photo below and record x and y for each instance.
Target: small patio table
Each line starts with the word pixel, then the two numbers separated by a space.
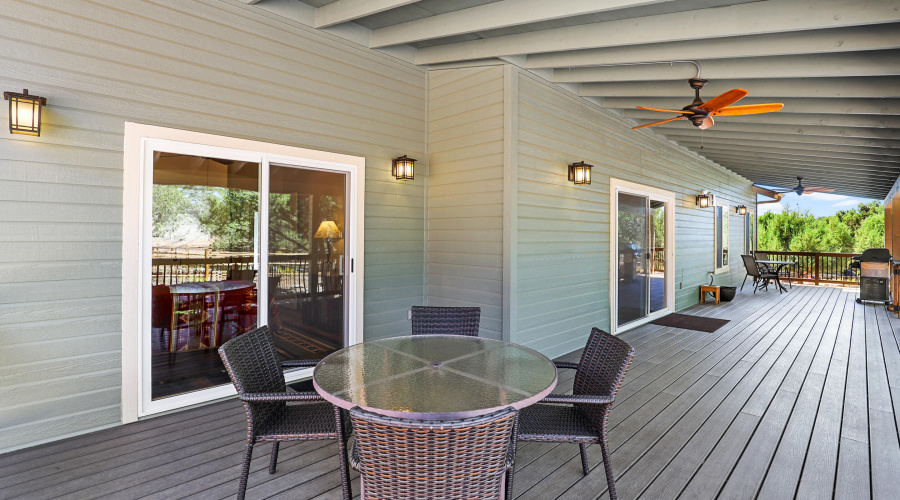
pixel 779 265
pixel 434 377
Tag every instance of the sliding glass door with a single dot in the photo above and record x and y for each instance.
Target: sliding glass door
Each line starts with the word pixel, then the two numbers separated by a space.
pixel 238 241
pixel 642 256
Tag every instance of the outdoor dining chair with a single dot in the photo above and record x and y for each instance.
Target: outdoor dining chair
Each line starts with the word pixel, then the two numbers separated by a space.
pixel 252 364
pixel 434 459
pixel 583 416
pixel 427 320
pixel 761 275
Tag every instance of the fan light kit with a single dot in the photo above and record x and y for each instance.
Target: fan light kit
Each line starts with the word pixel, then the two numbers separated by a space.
pixel 701 113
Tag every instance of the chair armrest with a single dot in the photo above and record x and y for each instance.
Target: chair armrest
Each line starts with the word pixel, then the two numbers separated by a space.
pixel 580 398
pixel 566 364
pixel 275 397
pixel 300 363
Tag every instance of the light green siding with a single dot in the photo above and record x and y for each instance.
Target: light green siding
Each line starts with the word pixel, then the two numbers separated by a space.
pixel 465 192
pixel 206 66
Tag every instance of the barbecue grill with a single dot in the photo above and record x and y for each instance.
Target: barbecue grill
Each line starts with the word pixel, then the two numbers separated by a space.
pixel 875 266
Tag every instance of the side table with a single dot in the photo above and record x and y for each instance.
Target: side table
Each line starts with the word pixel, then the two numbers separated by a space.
pixel 713 289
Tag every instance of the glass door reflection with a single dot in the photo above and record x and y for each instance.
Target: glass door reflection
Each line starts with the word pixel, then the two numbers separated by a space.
pixel 633 221
pixel 306 312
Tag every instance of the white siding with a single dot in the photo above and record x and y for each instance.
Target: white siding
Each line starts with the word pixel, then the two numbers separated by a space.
pixel 201 65
pixel 563 229
pixel 465 192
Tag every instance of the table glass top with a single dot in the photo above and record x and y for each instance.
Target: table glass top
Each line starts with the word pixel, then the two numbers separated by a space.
pixel 450 375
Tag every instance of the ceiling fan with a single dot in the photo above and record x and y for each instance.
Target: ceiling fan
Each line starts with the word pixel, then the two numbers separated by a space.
pixel 800 189
pixel 701 113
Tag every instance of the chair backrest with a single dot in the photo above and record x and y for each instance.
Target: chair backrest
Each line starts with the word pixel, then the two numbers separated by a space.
pixel 761 255
pixel 427 320
pixel 602 368
pixel 750 264
pixel 435 459
pixel 253 365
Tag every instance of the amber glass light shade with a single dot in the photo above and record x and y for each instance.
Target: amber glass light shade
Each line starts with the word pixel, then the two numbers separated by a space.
pixel 24 112
pixel 580 173
pixel 704 200
pixel 403 168
pixel 741 210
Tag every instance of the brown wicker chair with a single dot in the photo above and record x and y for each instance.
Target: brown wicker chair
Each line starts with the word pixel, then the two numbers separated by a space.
pixel 427 320
pixel 252 364
pixel 583 416
pixel 434 459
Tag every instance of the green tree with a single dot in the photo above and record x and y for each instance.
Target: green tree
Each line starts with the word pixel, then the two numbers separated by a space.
pixel 871 233
pixel 170 209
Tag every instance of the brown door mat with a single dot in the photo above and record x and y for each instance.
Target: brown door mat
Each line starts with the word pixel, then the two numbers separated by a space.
pixel 689 322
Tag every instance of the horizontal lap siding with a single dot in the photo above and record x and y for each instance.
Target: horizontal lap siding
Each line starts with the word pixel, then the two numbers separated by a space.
pixel 465 192
pixel 201 65
pixel 563 229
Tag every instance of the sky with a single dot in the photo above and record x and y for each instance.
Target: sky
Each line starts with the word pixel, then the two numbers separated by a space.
pixel 820 204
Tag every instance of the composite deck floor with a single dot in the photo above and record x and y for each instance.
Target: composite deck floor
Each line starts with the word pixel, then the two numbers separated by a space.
pixel 798 396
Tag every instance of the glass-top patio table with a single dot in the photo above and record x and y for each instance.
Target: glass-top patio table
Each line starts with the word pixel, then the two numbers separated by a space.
pixel 435 376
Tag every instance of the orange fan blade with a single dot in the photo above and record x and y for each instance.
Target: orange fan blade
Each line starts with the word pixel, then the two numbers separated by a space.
pixel 658 123
pixel 724 99
pixel 817 190
pixel 750 109
pixel 707 122
pixel 667 110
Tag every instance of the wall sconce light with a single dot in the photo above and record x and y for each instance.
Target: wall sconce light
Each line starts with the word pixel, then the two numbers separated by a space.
pixel 24 112
pixel 403 168
pixel 705 199
pixel 580 173
pixel 741 210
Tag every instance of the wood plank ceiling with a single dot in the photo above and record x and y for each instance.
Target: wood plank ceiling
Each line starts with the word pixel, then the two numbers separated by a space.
pixel 835 64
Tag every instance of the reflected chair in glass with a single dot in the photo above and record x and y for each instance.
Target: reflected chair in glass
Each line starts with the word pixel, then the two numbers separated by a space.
pixel 582 417
pixel 761 275
pixel 252 364
pixel 434 459
pixel 427 320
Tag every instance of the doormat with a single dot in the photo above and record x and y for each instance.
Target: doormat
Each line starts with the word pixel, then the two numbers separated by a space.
pixel 689 322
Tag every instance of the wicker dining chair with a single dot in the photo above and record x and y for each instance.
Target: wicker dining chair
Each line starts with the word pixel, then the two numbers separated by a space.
pixel 583 416
pixel 434 459
pixel 252 364
pixel 427 320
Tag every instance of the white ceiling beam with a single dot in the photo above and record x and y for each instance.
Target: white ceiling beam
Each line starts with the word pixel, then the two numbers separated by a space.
pixel 783 118
pixel 855 87
pixel 850 144
pixel 776 128
pixel 773 148
pixel 794 105
pixel 834 176
pixel 852 39
pixel 250 2
pixel 788 161
pixel 845 187
pixel 719 142
pixel 492 16
pixel 344 11
pixel 772 16
pixel 870 63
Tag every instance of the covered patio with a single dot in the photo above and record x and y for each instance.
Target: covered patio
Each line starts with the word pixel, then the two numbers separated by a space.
pixel 796 397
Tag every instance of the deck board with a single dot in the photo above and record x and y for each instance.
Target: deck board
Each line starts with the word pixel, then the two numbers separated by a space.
pixel 796 397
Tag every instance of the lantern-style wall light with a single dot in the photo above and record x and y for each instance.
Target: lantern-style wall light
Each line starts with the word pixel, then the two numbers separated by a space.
pixel 403 168
pixel 580 173
pixel 705 199
pixel 24 112
pixel 741 210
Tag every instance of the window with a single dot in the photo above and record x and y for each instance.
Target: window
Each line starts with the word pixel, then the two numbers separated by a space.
pixel 721 236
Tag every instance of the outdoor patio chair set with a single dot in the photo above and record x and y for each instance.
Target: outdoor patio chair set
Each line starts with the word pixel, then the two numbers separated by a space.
pixel 398 458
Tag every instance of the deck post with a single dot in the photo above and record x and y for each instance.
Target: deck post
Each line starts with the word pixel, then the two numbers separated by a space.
pixel 817 269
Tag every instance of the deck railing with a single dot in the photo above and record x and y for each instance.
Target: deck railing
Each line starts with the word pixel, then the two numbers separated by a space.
pixel 292 269
pixel 818 267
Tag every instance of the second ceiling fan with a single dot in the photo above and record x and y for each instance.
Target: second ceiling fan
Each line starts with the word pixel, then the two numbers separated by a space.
pixel 701 113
